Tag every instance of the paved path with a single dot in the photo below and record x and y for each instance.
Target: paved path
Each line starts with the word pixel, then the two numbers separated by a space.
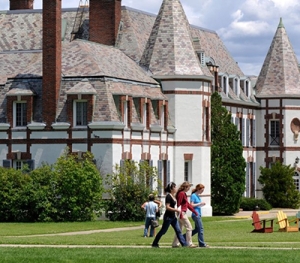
pixel 87 232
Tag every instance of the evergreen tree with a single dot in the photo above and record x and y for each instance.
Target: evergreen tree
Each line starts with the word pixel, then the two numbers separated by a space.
pixel 278 186
pixel 227 162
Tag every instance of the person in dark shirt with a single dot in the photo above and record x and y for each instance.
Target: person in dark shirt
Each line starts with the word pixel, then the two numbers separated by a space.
pixel 170 217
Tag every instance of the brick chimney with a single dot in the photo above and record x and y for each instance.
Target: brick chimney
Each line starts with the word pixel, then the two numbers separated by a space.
pixel 52 52
pixel 105 17
pixel 21 4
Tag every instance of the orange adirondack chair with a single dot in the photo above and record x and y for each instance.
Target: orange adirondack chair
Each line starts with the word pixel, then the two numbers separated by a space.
pixel 284 223
pixel 260 225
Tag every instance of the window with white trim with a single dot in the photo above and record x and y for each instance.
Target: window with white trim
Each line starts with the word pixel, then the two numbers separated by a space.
pixel 20 114
pixel 80 113
pixel 247 88
pixel 224 84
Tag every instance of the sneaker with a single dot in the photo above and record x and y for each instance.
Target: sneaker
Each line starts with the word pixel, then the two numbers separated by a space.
pixel 176 246
pixel 155 246
pixel 192 246
pixel 206 246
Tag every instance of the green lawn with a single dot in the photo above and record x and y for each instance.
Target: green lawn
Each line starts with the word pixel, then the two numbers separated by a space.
pixel 230 239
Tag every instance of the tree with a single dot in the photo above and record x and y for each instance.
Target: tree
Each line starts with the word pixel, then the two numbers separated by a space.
pixel 278 186
pixel 13 195
pixel 227 162
pixel 78 189
pixel 128 188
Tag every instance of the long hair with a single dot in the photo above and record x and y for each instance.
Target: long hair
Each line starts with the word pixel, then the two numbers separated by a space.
pixel 182 187
pixel 198 187
pixel 169 187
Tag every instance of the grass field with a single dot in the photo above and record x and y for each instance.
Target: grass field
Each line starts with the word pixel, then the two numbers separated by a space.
pixel 230 239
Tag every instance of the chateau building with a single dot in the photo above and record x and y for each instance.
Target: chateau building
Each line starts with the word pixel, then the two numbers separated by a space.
pixel 128 85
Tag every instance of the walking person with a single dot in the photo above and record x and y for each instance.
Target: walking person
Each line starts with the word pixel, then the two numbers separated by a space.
pixel 158 213
pixel 170 217
pixel 196 202
pixel 184 221
pixel 151 209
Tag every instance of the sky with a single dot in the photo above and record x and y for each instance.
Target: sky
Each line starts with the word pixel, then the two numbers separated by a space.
pixel 246 27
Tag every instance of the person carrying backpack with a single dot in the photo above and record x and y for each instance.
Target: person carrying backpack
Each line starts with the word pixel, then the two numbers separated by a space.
pixel 151 209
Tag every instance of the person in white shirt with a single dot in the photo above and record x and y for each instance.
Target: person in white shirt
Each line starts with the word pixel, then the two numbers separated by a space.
pixel 151 209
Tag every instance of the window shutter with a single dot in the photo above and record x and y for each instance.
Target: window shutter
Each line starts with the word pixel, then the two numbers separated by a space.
pixel 247 133
pixel 247 181
pixel 254 178
pixel 253 133
pixel 243 132
pixel 237 123
pixel 160 181
pixel 151 177
pixel 122 166
pixel 168 172
pixel 6 163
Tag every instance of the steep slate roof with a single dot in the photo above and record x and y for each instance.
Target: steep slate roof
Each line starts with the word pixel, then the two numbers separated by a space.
pixel 279 75
pixel 169 50
pixel 21 56
pixel 214 47
pixel 134 32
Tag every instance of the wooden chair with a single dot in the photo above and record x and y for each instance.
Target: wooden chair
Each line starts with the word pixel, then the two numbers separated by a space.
pixel 284 223
pixel 260 225
pixel 298 216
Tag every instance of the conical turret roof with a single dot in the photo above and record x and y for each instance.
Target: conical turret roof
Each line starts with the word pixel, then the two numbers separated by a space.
pixel 169 50
pixel 279 75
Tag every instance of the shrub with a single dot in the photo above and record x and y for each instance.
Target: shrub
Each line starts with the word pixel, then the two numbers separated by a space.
pixel 14 185
pixel 78 188
pixel 69 190
pixel 129 187
pixel 250 204
pixel 278 186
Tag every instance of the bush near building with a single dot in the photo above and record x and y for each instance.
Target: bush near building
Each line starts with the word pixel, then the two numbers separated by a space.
pixel 278 186
pixel 128 188
pixel 69 190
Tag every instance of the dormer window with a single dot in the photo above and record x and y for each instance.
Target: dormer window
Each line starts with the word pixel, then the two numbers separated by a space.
pixel 247 88
pixel 223 82
pixel 20 114
pixel 201 56
pixel 19 106
pixel 236 86
pixel 80 103
pixel 80 113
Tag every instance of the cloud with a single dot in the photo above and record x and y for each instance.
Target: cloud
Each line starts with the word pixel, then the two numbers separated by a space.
pixel 286 4
pixel 239 28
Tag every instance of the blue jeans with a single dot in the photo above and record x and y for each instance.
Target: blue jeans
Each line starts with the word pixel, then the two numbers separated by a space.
pixel 198 230
pixel 147 224
pixel 165 226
